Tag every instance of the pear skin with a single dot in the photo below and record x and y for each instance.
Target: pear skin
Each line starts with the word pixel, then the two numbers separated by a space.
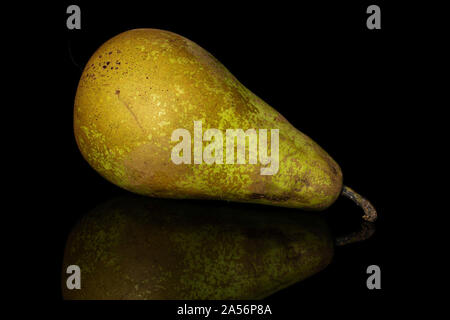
pixel 143 84
pixel 142 248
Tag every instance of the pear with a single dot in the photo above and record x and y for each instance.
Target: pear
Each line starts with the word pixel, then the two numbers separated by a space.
pixel 142 248
pixel 140 93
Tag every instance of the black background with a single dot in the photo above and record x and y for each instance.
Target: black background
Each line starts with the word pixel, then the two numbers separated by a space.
pixel 315 62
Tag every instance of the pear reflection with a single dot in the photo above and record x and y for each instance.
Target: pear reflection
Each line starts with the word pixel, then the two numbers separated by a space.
pixel 143 248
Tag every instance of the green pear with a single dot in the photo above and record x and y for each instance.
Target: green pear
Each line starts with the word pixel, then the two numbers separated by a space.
pixel 158 115
pixel 143 248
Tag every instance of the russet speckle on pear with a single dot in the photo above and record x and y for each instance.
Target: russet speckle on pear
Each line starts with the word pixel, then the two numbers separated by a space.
pixel 140 248
pixel 142 84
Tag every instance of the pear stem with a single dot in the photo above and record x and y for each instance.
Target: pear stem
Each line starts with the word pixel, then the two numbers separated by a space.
pixel 370 214
pixel 367 230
